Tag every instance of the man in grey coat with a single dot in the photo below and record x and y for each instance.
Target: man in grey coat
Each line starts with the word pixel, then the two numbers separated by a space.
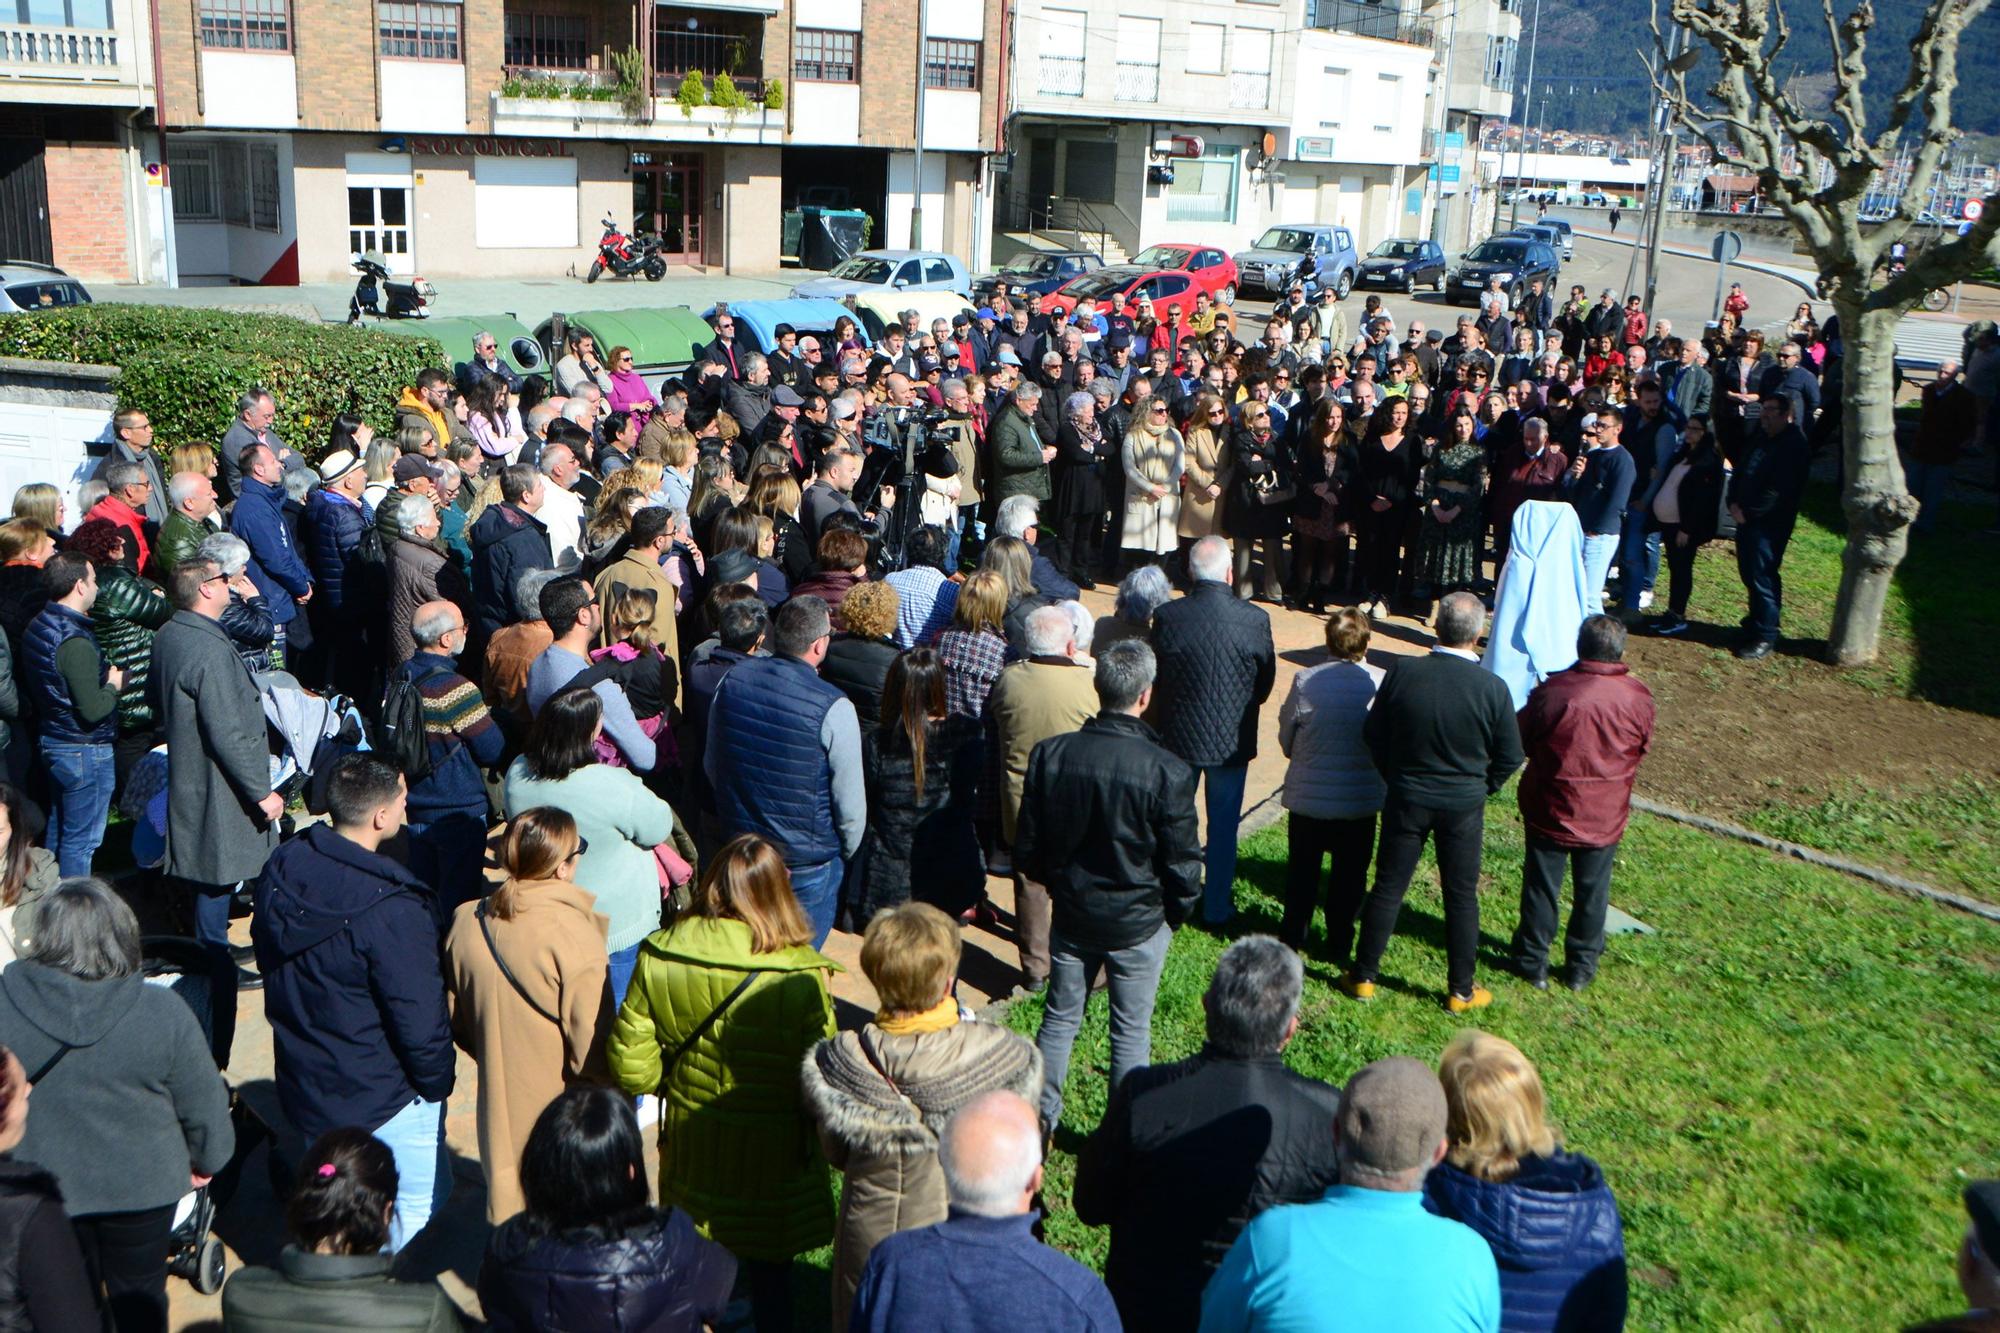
pixel 222 816
pixel 132 442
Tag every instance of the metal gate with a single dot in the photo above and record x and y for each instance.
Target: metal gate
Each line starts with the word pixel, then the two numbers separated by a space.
pixel 24 203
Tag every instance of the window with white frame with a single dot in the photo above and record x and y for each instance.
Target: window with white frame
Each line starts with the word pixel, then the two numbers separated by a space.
pixel 1204 188
pixel 1500 62
pixel 1333 96
pixel 1204 51
pixel 1250 69
pixel 1061 51
pixel 226 181
pixel 424 31
pixel 1138 77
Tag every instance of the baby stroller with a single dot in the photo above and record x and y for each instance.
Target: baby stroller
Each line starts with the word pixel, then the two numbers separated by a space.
pixel 208 985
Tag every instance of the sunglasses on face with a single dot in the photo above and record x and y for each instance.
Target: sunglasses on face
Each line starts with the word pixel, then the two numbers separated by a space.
pixel 582 847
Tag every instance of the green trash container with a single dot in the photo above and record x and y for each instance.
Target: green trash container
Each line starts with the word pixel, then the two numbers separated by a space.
pixel 788 239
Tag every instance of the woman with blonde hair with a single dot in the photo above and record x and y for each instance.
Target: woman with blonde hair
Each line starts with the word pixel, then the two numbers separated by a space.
pixel 630 652
pixel 198 458
pixel 527 974
pixel 1154 457
pixel 1014 561
pixel 881 1095
pixel 774 492
pixel 725 1006
pixel 42 502
pixel 415 437
pixel 378 464
pixel 1205 471
pixel 1548 1214
pixel 974 649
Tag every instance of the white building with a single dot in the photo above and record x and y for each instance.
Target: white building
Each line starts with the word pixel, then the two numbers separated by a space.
pixel 1479 42
pixel 1206 121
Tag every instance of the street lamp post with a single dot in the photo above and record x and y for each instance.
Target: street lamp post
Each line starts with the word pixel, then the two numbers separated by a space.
pixel 1521 157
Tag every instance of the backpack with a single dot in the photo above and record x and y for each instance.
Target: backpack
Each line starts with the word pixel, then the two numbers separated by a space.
pixel 397 732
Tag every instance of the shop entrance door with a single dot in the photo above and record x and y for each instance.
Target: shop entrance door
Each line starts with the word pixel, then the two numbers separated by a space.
pixel 666 200
pixel 379 211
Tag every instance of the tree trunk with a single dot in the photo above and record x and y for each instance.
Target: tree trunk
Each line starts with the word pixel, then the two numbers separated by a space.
pixel 1878 505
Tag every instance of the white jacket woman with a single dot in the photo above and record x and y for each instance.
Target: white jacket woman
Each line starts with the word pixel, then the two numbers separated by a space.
pixel 1154 457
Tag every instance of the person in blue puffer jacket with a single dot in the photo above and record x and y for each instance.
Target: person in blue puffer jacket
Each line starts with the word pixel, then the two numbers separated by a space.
pixel 1548 1214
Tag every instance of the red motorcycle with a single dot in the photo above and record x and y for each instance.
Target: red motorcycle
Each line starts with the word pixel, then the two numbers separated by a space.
pixel 625 255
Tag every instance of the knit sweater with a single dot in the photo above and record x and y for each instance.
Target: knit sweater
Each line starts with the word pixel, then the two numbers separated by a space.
pixel 462 736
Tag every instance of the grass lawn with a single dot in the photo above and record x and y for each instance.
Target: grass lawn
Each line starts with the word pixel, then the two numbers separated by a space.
pixel 1787 1085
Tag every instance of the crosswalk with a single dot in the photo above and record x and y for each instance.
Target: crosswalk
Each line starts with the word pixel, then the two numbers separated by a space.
pixel 1922 341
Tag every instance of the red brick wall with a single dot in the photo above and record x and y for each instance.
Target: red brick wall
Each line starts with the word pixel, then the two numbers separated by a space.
pixel 87 210
pixel 334 44
pixel 888 73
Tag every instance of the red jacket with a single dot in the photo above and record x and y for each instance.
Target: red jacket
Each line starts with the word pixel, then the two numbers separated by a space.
pixel 137 550
pixel 1584 730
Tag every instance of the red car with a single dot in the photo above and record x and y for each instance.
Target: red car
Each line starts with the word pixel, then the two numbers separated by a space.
pixel 1168 288
pixel 1212 267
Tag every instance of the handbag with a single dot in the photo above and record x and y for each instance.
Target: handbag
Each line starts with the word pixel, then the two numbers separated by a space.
pixel 486 929
pixel 1267 490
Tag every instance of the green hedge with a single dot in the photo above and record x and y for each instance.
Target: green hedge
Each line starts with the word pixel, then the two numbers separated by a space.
pixel 184 368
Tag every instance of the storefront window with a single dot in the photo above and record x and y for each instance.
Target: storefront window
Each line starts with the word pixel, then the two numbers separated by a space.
pixel 1204 189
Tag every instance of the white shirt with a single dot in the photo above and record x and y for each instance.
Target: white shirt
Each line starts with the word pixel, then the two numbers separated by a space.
pixel 562 514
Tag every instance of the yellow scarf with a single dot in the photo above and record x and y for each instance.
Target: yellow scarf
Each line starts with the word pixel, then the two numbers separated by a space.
pixel 937 1018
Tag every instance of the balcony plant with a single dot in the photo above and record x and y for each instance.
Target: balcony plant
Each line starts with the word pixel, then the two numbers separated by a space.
pixel 691 94
pixel 724 94
pixel 774 95
pixel 631 89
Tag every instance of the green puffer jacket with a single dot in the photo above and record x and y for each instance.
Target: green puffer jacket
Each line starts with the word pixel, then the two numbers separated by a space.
pixel 128 610
pixel 180 538
pixel 738 1151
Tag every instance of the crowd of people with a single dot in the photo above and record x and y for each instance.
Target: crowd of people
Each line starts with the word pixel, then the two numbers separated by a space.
pixel 611 701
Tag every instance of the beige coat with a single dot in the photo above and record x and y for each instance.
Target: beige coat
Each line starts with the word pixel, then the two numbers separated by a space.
pixel 1152 460
pixel 555 946
pixel 638 569
pixel 1207 465
pixel 1030 702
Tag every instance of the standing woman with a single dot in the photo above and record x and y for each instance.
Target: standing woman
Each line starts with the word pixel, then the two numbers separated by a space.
pixel 726 1004
pixel 42 1282
pixel 1687 509
pixel 528 979
pixel 1155 458
pixel 974 649
pixel 1454 485
pixel 1737 395
pixel 1206 471
pixel 1387 469
pixel 26 871
pixel 1258 507
pixel 1076 503
pixel 1325 470
pixel 921 764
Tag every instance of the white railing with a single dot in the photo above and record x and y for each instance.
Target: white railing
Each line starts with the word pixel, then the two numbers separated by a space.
pixel 1137 83
pixel 43 51
pixel 1249 91
pixel 1062 76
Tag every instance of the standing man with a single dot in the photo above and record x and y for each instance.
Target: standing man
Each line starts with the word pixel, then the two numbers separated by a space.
pixel 1018 456
pixel 1692 388
pixel 1168 1171
pixel 447 807
pixel 1107 823
pixel 1599 484
pixel 574 617
pixel 1948 426
pixel 508 540
pixel 130 497
pixel 1444 739
pixel 784 759
pixel 256 410
pixel 1538 314
pixel 275 567
pixel 222 816
pixel 1585 731
pixel 722 351
pixel 486 360
pixel 191 505
pixel 1653 442
pixel 1217 665
pixel 349 601
pixel 75 689
pixel 1764 494
pixel 360 1031
pixel 132 442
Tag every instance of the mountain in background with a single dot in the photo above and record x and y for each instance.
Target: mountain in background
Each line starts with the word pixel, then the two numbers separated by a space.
pixel 1587 65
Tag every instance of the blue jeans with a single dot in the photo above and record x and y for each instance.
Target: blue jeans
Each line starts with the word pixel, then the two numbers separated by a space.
pixel 1598 550
pixel 1638 557
pixel 83 776
pixel 1760 553
pixel 1222 789
pixel 1134 974
pixel 1927 483
pixel 414 1136
pixel 818 890
pixel 624 962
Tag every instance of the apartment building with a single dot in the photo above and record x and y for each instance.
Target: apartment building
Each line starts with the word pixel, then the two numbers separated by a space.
pixel 76 87
pixel 1480 41
pixel 490 138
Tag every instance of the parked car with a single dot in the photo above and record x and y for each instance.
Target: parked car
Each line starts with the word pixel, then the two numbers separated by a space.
pixel 1214 271
pixel 1267 266
pixel 1563 234
pixel 877 311
pixel 1168 288
pixel 26 286
pixel 890 270
pixel 1403 265
pixel 1542 233
pixel 1039 271
pixel 1515 260
pixel 757 321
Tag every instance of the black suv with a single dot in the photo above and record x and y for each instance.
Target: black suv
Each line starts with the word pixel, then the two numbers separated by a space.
pixel 1515 260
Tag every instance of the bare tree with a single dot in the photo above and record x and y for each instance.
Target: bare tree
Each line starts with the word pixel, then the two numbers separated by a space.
pixel 1815 168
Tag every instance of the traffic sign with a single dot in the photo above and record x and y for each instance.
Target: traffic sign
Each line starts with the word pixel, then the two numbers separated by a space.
pixel 1973 208
pixel 1726 247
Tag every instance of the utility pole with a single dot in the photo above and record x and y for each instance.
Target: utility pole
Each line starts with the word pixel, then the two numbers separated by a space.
pixel 1527 96
pixel 1669 154
pixel 917 171
pixel 1436 186
pixel 1647 220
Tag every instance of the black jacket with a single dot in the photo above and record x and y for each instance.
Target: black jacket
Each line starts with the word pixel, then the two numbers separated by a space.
pixel 1700 492
pixel 1251 462
pixel 1442 731
pixel 507 542
pixel 42 1281
pixel 333 1291
pixel 1216 668
pixel 347 941
pixel 859 666
pixel 1769 482
pixel 656 1274
pixel 935 831
pixel 1107 824
pixel 1187 1154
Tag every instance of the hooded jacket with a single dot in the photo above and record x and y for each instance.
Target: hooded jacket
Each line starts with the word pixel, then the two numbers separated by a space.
pixel 1556 1236
pixel 133 1105
pixel 1542 599
pixel 347 941
pixel 657 1273
pixel 507 542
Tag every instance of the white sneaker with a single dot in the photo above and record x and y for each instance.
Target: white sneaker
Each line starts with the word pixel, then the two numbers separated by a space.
pixel 1645 600
pixel 648 1111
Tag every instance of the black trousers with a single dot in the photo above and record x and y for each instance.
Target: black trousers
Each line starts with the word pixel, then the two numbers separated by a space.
pixel 1457 835
pixel 126 1254
pixel 1541 888
pixel 1680 568
pixel 1350 844
pixel 1381 552
pixel 1080 536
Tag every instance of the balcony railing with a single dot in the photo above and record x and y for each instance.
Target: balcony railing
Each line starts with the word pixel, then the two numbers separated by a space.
pixel 1365 19
pixel 1062 76
pixel 1249 92
pixel 552 74
pixel 1137 83
pixel 53 52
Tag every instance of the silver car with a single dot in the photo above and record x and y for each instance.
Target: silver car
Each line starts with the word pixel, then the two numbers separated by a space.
pixel 890 270
pixel 25 286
